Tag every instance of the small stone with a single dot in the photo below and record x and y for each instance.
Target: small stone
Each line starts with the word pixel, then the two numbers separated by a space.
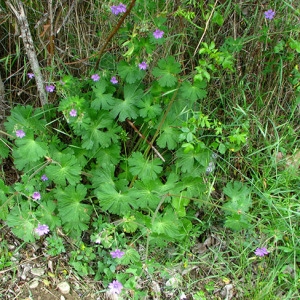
pixel 37 271
pixel 11 247
pixel 26 269
pixel 34 284
pixel 64 287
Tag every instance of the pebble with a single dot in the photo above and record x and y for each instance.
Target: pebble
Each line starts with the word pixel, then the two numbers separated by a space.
pixel 64 287
pixel 37 271
pixel 34 284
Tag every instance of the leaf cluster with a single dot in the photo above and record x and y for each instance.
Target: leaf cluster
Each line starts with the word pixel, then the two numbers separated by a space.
pixel 93 164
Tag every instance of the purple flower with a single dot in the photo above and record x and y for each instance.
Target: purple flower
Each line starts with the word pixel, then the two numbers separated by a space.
pixel 30 75
pixel 270 14
pixel 115 287
pixel 95 77
pixel 114 80
pixel 20 133
pixel 50 88
pixel 73 112
pixel 118 9
pixel 42 229
pixel 261 252
pixel 44 177
pixel 36 196
pixel 143 65
pixel 117 253
pixel 114 9
pixel 158 34
pixel 122 8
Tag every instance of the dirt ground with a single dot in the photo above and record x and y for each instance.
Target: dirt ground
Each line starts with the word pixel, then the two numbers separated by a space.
pixel 32 274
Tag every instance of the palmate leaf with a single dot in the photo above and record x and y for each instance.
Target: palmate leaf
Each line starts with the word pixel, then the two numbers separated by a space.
pixel 102 99
pixel 237 206
pixel 115 201
pixel 146 193
pixel 129 224
pixel 148 109
pixel 194 161
pixel 21 222
pixel 103 175
pixel 47 214
pixel 167 225
pixel 193 186
pixel 108 155
pixel 131 257
pixel 237 222
pixel 171 186
pixel 127 108
pixel 99 132
pixel 29 150
pixel 129 72
pixel 144 168
pixel 4 149
pixel 166 71
pixel 24 117
pixel 74 215
pixel 179 204
pixel 64 168
pixel 240 201
pixel 194 92
pixel 4 202
pixel 169 135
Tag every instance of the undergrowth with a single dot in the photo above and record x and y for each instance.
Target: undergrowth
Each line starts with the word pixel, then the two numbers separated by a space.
pixel 170 156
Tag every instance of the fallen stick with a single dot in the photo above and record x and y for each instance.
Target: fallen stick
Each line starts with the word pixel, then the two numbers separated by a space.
pixel 20 14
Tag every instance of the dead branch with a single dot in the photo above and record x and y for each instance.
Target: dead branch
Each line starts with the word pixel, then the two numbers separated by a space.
pixel 19 12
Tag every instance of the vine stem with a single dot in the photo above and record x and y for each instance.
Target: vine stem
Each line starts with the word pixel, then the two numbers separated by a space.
pixel 145 139
pixel 19 11
pixel 114 32
pixel 206 27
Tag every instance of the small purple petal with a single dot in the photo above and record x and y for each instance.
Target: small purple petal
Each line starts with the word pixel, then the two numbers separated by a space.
pixel 95 77
pixel 50 88
pixel 122 8
pixel 36 196
pixel 73 112
pixel 269 14
pixel 115 287
pixel 118 9
pixel 20 133
pixel 42 229
pixel 143 65
pixel 117 253
pixel 158 34
pixel 114 80
pixel 30 75
pixel 44 177
pixel 261 252
pixel 114 9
